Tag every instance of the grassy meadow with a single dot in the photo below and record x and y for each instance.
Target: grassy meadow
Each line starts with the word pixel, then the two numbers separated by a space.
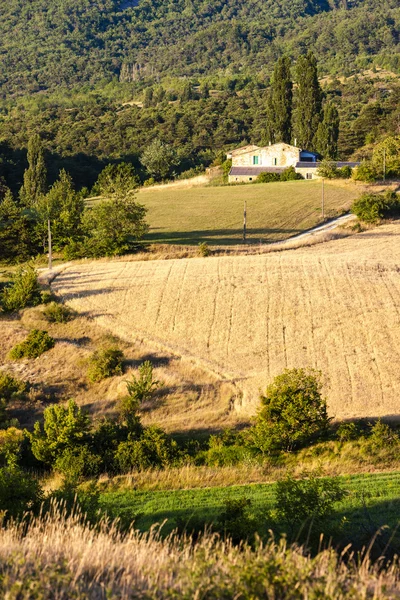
pixel 372 501
pixel 275 211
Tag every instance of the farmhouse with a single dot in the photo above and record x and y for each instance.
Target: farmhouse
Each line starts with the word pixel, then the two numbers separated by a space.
pixel 250 161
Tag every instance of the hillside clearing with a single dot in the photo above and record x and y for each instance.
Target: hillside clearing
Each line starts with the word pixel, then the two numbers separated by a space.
pixel 275 211
pixel 334 307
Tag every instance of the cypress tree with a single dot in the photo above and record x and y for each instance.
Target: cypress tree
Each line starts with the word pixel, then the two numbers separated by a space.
pixel 279 107
pixel 35 175
pixel 307 114
pixel 328 132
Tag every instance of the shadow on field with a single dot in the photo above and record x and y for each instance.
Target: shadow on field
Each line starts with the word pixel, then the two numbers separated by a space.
pixel 86 293
pixel 214 236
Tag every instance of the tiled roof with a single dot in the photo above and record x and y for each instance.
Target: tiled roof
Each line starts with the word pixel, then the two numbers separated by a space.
pixel 254 170
pixel 315 165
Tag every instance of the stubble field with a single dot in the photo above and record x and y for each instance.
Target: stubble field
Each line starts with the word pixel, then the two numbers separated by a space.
pixel 334 307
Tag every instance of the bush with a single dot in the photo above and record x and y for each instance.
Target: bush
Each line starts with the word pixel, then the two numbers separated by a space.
pixel 310 498
pixel 64 428
pixel 23 291
pixel 293 412
pixel 11 441
pixel 12 388
pixel 36 343
pixel 19 492
pixel 347 432
pixel 268 177
pixel 382 437
pixel 105 363
pixel 153 449
pixel 204 249
pixel 365 172
pixel 143 387
pixel 290 174
pixel 58 313
pixel 328 169
pixel 226 449
pixel 236 521
pixel 82 499
pixel 345 172
pixel 78 462
pixel 371 208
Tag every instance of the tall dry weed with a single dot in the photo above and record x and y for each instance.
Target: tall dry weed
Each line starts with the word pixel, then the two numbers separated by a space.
pixel 60 557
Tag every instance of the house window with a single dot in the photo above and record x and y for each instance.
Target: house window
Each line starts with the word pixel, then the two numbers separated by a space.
pixel 255 160
pixel 275 162
pixel 250 179
pixel 308 175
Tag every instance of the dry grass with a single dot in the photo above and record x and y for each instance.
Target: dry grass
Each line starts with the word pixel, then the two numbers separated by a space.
pixel 333 306
pixel 58 558
pixel 189 394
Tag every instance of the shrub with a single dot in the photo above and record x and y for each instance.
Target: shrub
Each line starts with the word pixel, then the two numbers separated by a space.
pixel 23 291
pixel 153 449
pixel 382 437
pixel 365 172
pixel 290 174
pixel 371 208
pixel 19 492
pixel 236 522
pixel 204 249
pixel 226 449
pixel 78 462
pixel 292 413
pixel 11 441
pixel 328 169
pixel 36 343
pixel 64 428
pixel 143 387
pixel 77 499
pixel 268 177
pixel 12 388
pixel 345 172
pixel 310 498
pixel 347 432
pixel 105 363
pixel 58 313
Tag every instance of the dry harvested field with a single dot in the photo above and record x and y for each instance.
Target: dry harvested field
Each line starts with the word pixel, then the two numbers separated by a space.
pixel 335 307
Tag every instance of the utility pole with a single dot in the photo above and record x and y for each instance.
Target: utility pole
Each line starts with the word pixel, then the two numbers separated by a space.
pixel 384 165
pixel 50 246
pixel 244 221
pixel 323 200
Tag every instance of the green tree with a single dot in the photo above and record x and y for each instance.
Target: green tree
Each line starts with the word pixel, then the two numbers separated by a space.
pixel 116 178
pixel 64 207
pixel 64 427
pixel 35 175
pixel 292 412
pixel 307 114
pixel 114 226
pixel 387 152
pixel 16 225
pixel 159 159
pixel 279 105
pixel 326 142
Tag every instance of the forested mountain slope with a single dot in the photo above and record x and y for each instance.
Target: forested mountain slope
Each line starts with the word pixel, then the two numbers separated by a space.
pixel 47 43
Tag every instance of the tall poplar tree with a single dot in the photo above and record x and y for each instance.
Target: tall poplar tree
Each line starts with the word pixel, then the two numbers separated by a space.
pixel 307 113
pixel 35 175
pixel 328 132
pixel 280 100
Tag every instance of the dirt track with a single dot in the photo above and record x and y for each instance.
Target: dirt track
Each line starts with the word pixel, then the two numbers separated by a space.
pixel 335 306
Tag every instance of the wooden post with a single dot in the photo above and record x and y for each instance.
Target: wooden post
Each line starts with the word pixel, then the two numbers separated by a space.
pixel 50 246
pixel 323 200
pixel 384 165
pixel 244 221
